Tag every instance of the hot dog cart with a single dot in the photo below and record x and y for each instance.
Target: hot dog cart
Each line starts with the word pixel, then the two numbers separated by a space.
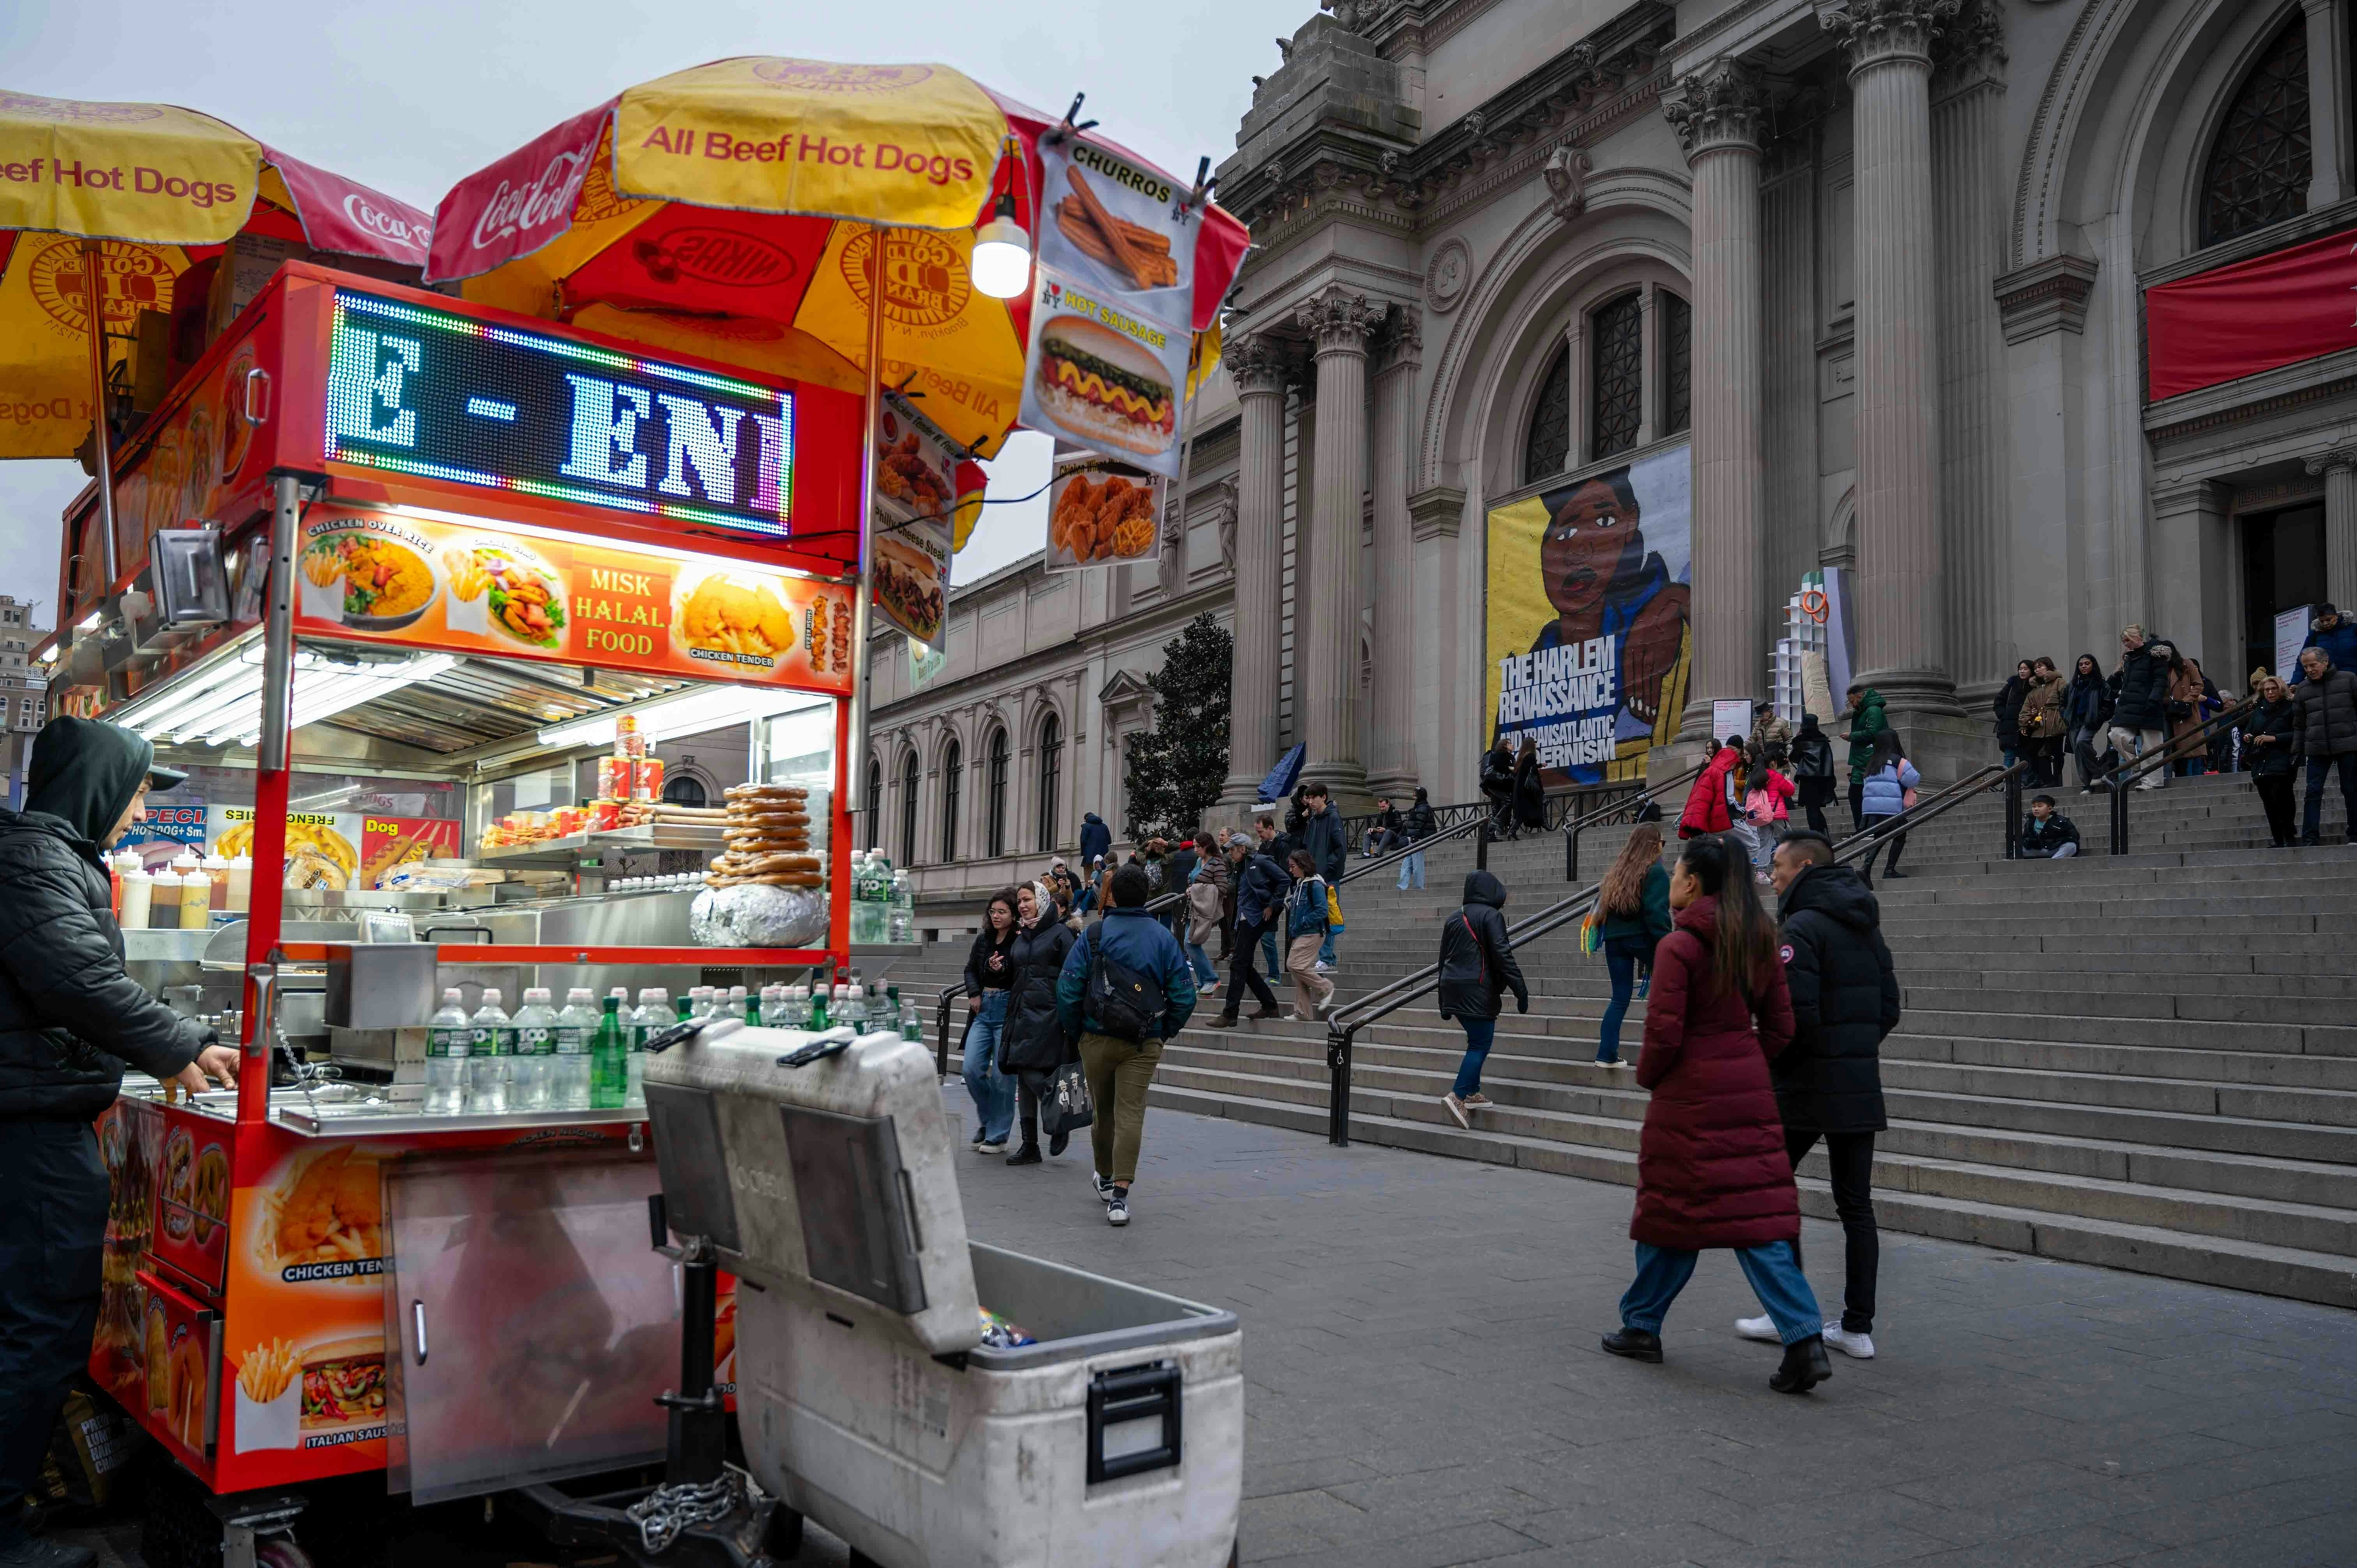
pixel 419 592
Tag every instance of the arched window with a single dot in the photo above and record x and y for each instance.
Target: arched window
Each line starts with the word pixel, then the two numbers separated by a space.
pixel 953 776
pixel 2259 165
pixel 875 803
pixel 908 809
pixel 1546 449
pixel 995 798
pixel 683 789
pixel 1051 778
pixel 1677 364
pixel 1616 336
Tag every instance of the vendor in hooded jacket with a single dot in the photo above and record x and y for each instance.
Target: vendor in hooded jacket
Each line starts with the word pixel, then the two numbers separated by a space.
pixel 71 1019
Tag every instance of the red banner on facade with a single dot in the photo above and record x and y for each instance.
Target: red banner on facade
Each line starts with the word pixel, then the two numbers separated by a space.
pixel 2276 309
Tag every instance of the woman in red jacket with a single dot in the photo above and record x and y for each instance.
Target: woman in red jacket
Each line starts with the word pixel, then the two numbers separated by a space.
pixel 1711 1168
pixel 1708 802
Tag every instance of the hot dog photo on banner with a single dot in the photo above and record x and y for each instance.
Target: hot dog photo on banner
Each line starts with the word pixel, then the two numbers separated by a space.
pixel 1103 376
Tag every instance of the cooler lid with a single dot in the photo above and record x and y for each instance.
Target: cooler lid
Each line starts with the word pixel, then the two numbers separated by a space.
pixel 835 1180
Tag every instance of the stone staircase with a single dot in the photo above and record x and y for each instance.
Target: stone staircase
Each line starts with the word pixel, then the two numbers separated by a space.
pixel 2147 1062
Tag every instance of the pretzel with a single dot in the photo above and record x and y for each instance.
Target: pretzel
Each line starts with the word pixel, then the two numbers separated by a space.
pixel 768 879
pixel 737 793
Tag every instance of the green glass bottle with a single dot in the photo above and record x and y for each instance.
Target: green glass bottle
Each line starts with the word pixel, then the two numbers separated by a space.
pixel 609 1062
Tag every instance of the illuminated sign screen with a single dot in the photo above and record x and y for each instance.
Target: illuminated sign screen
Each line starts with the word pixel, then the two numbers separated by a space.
pixel 412 389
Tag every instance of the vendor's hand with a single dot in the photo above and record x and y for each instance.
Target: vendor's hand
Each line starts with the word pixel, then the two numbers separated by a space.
pixel 212 1062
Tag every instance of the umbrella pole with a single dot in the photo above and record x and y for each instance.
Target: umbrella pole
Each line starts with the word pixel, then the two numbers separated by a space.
pixel 855 749
pixel 94 296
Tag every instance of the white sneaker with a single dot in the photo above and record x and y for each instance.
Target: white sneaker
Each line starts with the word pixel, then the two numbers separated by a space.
pixel 1116 1208
pixel 1104 1186
pixel 1856 1347
pixel 1321 967
pixel 1762 1328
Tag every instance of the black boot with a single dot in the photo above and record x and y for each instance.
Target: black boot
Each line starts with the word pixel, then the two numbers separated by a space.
pixel 1636 1343
pixel 1804 1366
pixel 1060 1143
pixel 1028 1155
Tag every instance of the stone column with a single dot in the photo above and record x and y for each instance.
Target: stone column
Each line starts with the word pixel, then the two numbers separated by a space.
pixel 1718 114
pixel 1902 646
pixel 2340 470
pixel 2330 177
pixel 2194 603
pixel 1259 367
pixel 1338 322
pixel 1392 769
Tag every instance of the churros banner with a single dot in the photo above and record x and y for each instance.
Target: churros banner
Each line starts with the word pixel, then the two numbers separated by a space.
pixel 479 589
pixel 1103 513
pixel 1588 644
pixel 1117 224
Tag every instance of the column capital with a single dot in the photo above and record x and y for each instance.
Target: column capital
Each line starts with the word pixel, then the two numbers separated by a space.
pixel 1437 514
pixel 1719 106
pixel 2339 459
pixel 1259 364
pixel 1399 343
pixel 2047 295
pixel 1886 32
pixel 1338 319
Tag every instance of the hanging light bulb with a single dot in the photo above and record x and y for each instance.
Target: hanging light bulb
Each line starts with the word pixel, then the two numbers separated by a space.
pixel 1002 253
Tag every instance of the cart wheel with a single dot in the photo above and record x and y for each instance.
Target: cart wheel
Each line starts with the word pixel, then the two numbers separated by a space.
pixel 784 1541
pixel 280 1552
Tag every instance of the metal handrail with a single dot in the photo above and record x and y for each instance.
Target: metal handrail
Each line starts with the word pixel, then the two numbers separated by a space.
pixel 1572 831
pixel 2118 780
pixel 1342 1025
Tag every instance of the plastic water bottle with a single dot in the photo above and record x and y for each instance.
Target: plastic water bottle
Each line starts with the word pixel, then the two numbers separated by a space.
pixel 699 1001
pixel 447 1037
pixel 536 1058
pixel 634 1048
pixel 793 1006
pixel 838 1006
pixel 817 1019
pixel 912 1021
pixel 903 908
pixel 855 1010
pixel 576 1027
pixel 609 1061
pixel 737 1005
pixel 886 1012
pixel 654 1017
pixel 490 1052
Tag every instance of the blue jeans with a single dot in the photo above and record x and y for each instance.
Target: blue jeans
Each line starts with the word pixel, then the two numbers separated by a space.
pixel 1479 1033
pixel 993 1091
pixel 1326 948
pixel 1204 973
pixel 1621 956
pixel 1773 1269
pixel 1412 866
pixel 1268 951
pixel 2319 768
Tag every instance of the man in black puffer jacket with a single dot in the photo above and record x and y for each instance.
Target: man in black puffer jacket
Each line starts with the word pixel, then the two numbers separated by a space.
pixel 70 1018
pixel 1829 1079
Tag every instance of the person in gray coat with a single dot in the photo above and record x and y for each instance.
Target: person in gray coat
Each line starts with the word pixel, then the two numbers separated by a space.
pixel 2328 738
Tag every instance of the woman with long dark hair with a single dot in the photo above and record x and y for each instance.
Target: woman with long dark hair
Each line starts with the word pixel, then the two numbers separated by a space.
pixel 1890 782
pixel 1632 908
pixel 989 975
pixel 1032 1043
pixel 1711 1167
pixel 2088 707
pixel 1530 791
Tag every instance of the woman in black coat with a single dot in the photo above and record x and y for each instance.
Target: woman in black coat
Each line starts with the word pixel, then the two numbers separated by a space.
pixel 1498 785
pixel 1813 771
pixel 2268 738
pixel 2087 707
pixel 1477 967
pixel 1530 791
pixel 1032 1043
pixel 2007 707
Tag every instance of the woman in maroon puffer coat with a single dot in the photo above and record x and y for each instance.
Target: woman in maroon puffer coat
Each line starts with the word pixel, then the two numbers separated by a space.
pixel 1711 1169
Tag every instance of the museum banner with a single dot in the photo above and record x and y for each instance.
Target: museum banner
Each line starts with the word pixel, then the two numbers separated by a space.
pixel 1587 607
pixel 2277 309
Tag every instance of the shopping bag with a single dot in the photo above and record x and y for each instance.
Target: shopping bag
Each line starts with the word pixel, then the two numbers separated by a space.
pixel 1591 933
pixel 1065 1109
pixel 1333 909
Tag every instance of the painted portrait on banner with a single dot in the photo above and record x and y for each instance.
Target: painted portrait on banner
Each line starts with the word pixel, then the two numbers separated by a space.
pixel 1588 643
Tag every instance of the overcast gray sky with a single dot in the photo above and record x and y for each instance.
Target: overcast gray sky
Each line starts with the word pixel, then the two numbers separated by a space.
pixel 411 97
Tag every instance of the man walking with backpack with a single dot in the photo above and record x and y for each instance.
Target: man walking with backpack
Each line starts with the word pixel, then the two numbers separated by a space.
pixel 1126 988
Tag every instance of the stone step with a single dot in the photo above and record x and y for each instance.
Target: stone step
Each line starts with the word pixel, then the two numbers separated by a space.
pixel 2299 1273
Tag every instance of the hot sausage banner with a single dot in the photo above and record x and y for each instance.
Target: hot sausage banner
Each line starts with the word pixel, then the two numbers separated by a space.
pixel 1587 607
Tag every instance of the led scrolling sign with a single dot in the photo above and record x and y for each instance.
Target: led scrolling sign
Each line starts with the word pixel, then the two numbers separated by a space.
pixel 443 396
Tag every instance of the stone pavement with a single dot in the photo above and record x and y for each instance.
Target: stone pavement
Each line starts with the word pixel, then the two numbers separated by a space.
pixel 1424 1385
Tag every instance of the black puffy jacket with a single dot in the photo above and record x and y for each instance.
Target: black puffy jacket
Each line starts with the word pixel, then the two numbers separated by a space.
pixel 2279 722
pixel 2328 714
pixel 71 1017
pixel 2008 708
pixel 1844 1000
pixel 1032 1040
pixel 1476 965
pixel 2143 699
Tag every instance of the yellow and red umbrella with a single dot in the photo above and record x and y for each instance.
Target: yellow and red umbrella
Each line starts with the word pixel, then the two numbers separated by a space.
pixel 732 210
pixel 120 201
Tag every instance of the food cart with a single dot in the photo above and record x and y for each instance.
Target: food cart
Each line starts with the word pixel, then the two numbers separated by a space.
pixel 454 574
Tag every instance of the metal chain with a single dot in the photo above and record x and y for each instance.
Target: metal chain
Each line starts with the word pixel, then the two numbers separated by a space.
pixel 665 1512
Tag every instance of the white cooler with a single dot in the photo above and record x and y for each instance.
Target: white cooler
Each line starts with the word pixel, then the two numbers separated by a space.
pixel 864 1394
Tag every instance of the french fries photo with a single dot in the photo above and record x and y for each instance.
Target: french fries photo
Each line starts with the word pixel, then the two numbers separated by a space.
pixel 269 1371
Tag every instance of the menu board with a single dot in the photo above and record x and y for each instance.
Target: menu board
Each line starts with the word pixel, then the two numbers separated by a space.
pixel 323 848
pixel 163 831
pixel 476 587
pixel 916 486
pixel 388 843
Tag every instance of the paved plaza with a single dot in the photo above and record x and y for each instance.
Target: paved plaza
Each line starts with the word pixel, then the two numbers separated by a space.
pixel 1424 1385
